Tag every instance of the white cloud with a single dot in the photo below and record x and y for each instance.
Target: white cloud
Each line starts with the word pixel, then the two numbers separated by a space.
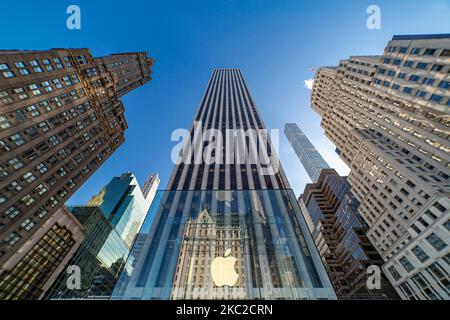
pixel 309 84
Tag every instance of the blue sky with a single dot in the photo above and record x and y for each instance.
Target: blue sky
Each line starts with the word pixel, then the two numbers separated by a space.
pixel 273 42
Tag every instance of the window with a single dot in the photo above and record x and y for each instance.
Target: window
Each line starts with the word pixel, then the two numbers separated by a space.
pixel 4 66
pixel 24 72
pixel 42 168
pixel 414 78
pixel 40 189
pixel 436 242
pixel 440 207
pixel 402 50
pixel 422 65
pixel 429 52
pixel 401 75
pixel 42 212
pixel 4 123
pixel 421 93
pixel 406 264
pixel 437 67
pixel 428 81
pixel 15 163
pixel 12 238
pixel 408 64
pixel 394 273
pixel 407 90
pixel 8 74
pixel 12 212
pixel 420 254
pixel 397 62
pixel 44 126
pixel 416 50
pixel 34 63
pixel 29 177
pixel 17 139
pixel 54 140
pixel 444 84
pixel 447 225
pixel 15 186
pixel 436 98
pixel 445 53
pixel 28 224
pixel 28 200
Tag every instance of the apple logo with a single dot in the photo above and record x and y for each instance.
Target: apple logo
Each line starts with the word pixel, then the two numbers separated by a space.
pixel 222 270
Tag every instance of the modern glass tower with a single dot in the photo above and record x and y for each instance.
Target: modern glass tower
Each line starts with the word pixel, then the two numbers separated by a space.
pixel 310 158
pixel 228 226
pixel 111 220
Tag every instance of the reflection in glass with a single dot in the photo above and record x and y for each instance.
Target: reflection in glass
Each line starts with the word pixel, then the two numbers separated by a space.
pixel 246 244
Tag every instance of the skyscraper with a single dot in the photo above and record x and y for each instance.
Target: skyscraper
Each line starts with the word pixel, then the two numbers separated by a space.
pixel 339 232
pixel 111 221
pixel 335 224
pixel 229 225
pixel 310 158
pixel 61 117
pixel 125 204
pixel 389 118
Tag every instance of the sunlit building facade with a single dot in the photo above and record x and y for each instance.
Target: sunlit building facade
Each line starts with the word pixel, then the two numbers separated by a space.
pixel 389 119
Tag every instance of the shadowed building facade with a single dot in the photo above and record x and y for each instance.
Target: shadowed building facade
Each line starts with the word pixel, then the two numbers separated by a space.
pixel 61 117
pixel 335 224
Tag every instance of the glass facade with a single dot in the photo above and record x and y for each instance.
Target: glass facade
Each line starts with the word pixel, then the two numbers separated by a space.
pixel 240 244
pixel 310 158
pixel 100 258
pixel 124 205
pixel 112 220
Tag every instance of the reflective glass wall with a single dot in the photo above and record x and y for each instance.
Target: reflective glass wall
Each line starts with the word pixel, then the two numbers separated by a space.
pixel 251 244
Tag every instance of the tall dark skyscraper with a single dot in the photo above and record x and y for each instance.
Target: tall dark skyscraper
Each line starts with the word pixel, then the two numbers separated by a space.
pixel 310 158
pixel 228 226
pixel 61 117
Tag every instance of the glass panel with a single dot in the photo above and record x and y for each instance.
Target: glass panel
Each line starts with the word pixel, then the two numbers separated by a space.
pixel 251 244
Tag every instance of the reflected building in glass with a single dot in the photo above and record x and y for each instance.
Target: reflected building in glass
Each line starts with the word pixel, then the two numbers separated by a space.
pixel 111 221
pixel 225 229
